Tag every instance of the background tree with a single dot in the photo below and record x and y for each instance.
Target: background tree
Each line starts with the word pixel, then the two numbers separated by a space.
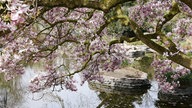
pixel 78 31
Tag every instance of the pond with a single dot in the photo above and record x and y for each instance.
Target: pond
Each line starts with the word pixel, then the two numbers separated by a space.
pixel 15 94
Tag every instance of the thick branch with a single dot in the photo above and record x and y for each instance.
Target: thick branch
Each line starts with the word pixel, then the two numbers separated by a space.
pixel 187 2
pixel 103 5
pixel 177 57
pixel 3 33
pixel 168 43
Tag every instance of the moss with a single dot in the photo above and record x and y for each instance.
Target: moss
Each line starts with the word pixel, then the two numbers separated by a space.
pixel 143 64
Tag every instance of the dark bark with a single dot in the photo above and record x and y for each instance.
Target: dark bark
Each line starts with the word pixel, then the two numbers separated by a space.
pixel 103 5
pixel 187 2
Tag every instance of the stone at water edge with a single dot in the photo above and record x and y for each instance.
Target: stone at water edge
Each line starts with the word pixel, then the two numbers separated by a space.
pixel 178 96
pixel 129 80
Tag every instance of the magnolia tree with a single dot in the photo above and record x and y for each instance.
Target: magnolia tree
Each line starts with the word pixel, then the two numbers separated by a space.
pixel 72 36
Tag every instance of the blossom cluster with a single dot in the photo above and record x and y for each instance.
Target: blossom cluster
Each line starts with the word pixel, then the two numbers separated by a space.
pixel 61 36
pixel 181 32
pixel 107 58
pixel 150 13
pixel 168 75
pixel 66 41
pixel 15 13
pixel 183 27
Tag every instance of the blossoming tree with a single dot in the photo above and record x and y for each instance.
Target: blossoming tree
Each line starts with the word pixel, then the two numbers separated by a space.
pixel 69 36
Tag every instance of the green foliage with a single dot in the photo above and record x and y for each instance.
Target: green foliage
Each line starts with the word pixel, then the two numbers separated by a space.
pixel 185 81
pixel 125 63
pixel 168 76
pixel 189 54
pixel 116 26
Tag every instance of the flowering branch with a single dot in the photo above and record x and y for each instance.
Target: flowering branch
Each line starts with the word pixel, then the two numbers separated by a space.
pixel 168 16
pixel 187 2
pixel 86 63
pixel 178 57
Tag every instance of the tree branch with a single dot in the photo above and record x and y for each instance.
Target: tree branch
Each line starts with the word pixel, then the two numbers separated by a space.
pixel 187 2
pixel 177 57
pixel 103 5
pixel 86 63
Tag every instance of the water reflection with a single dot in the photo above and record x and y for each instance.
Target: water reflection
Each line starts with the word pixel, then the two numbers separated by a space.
pixel 3 98
pixel 83 98
pixel 118 99
pixel 10 93
pixel 15 94
pixel 113 100
pixel 149 98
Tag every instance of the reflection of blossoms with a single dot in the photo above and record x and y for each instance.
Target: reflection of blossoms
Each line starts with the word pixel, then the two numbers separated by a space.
pixel 167 75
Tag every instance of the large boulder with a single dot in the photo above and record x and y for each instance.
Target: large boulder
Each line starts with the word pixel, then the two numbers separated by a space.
pixel 127 80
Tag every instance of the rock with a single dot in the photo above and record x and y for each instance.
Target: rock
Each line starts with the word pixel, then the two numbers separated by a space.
pixel 135 51
pixel 128 80
pixel 181 95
